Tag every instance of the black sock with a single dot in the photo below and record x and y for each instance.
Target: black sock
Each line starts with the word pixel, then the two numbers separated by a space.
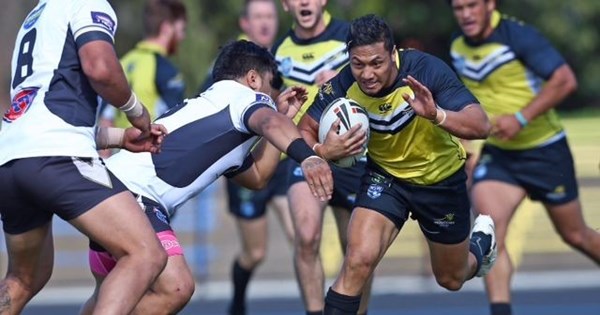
pixel 241 277
pixel 479 245
pixel 500 309
pixel 314 312
pixel 339 304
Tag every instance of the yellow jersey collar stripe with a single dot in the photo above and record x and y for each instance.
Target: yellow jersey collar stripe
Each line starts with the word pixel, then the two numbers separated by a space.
pixel 146 45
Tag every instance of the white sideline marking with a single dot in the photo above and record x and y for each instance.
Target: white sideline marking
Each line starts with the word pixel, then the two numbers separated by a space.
pixel 262 289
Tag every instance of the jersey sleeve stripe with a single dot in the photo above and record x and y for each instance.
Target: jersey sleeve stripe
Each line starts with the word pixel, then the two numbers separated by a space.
pixel 92 36
pixel 254 107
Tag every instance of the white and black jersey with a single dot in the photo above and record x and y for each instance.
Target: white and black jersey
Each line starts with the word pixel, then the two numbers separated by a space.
pixel 53 104
pixel 208 137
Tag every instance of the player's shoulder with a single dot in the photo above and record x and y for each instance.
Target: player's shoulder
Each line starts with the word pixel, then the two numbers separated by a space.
pixel 338 29
pixel 413 58
pixel 512 29
pixel 280 40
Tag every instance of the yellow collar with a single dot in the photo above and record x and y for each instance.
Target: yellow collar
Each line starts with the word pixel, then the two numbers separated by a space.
pixel 146 45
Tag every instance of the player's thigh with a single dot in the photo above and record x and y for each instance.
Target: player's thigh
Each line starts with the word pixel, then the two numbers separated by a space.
pixel 448 258
pixel 370 233
pixel 281 206
pixel 567 218
pixel 253 233
pixel 342 219
pixel 498 199
pixel 306 210
pixel 119 225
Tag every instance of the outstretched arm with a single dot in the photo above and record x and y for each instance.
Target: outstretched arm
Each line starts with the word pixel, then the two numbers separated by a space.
pixel 471 122
pixel 284 135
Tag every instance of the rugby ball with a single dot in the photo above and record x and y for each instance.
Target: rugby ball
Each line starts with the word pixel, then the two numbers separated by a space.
pixel 350 113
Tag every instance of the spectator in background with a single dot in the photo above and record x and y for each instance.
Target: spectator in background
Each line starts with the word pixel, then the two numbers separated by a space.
pixel 312 52
pixel 155 80
pixel 519 77
pixel 63 59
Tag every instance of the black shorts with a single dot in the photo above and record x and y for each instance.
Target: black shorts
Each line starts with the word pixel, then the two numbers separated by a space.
pixel 33 189
pixel 442 209
pixel 157 215
pixel 251 204
pixel 346 182
pixel 546 173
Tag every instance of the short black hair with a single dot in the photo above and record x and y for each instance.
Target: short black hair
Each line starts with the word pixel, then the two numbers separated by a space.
pixel 368 30
pixel 238 57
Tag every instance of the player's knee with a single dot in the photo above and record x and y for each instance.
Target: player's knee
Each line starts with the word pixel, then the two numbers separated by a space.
pixel 360 262
pixel 177 294
pixel 574 238
pixel 450 282
pixel 308 244
pixel 257 255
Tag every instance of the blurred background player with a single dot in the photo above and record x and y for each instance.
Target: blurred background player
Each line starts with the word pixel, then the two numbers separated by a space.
pixel 519 77
pixel 156 81
pixel 312 52
pixel 212 135
pixel 415 164
pixel 259 23
pixel 63 59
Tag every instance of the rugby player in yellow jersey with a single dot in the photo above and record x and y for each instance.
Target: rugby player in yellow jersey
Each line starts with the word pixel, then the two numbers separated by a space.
pixel 312 52
pixel 519 77
pixel 155 80
pixel 415 166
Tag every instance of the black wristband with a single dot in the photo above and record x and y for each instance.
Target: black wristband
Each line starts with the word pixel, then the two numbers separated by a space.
pixel 299 150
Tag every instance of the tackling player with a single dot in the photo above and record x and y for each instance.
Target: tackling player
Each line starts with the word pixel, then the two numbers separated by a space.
pixel 211 135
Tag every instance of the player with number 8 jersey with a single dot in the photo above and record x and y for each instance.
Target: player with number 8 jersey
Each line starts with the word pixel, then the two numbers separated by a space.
pixel 63 59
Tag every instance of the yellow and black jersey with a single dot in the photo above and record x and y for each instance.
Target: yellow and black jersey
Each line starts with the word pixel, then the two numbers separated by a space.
pixel 300 60
pixel 506 71
pixel 155 80
pixel 405 145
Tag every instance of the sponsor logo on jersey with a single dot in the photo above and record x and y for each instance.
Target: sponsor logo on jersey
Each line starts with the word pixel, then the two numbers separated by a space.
pixel 385 107
pixel 559 192
pixel 33 17
pixel 104 20
pixel 374 191
pixel 445 222
pixel 286 66
pixel 308 56
pixel 264 99
pixel 20 104
pixel 161 216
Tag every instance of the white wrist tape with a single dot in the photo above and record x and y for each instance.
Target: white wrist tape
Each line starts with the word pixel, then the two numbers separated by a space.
pixel 109 138
pixel 133 108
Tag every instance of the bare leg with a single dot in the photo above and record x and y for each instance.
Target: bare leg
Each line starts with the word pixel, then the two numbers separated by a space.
pixel 500 201
pixel 30 263
pixel 569 223
pixel 342 218
pixel 140 258
pixel 307 215
pixel 170 292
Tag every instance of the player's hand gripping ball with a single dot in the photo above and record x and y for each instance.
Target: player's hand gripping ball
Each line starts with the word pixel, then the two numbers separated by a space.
pixel 350 113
